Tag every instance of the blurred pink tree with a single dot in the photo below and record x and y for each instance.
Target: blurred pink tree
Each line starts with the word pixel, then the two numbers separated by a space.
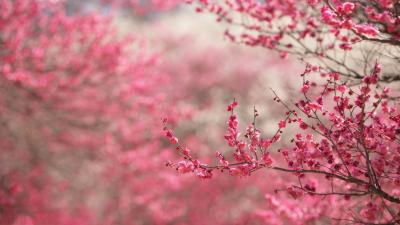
pixel 80 113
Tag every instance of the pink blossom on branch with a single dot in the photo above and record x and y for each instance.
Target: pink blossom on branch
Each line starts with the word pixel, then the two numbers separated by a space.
pixel 308 28
pixel 340 144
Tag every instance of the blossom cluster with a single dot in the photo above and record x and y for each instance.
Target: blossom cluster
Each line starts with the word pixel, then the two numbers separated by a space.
pixel 347 137
pixel 307 27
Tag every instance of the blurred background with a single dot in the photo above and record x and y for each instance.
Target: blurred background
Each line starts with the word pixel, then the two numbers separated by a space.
pixel 84 87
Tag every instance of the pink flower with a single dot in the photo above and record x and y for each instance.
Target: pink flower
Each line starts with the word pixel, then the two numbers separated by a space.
pixel 283 55
pixel 303 126
pixel 346 8
pixel 345 46
pixel 294 192
pixel 185 166
pixel 174 140
pixel 342 88
pixel 315 106
pixel 366 29
pixel 282 124
pixel 305 88
pixel 313 2
pixel 235 172
pixel 186 152
pixel 267 159
pixel 327 14
pixel 232 106
pixel 387 4
pixel 266 143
